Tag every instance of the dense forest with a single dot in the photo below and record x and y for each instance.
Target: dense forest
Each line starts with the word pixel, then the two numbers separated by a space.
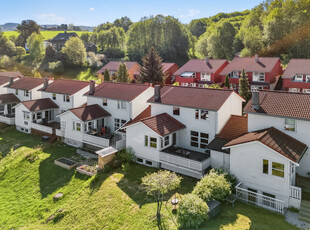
pixel 273 28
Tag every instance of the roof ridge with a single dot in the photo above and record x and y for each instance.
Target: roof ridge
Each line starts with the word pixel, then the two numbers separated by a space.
pixel 147 118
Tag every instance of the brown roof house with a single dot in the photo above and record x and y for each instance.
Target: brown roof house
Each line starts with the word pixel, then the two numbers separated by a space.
pixel 133 69
pixel 267 158
pixel 183 121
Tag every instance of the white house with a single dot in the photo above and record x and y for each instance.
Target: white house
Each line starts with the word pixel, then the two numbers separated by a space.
pixel 7 78
pixel 27 88
pixel 119 103
pixel 7 111
pixel 266 159
pixel 198 113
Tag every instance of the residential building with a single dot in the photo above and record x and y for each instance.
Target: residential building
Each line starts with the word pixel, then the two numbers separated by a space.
pixel 296 77
pixel 110 106
pixel 60 39
pixel 183 121
pixel 6 78
pixel 91 47
pixel 7 111
pixel 262 72
pixel 200 73
pixel 169 69
pixel 133 69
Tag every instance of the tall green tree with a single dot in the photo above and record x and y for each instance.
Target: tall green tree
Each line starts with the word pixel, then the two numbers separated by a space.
pixel 244 86
pixel 123 22
pixel 122 73
pixel 151 70
pixel 36 47
pixel 106 76
pixel 85 37
pixel 25 29
pixel 7 47
pixel 226 84
pixel 75 52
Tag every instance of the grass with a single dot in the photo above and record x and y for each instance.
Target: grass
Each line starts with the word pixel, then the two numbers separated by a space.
pixel 46 34
pixel 115 200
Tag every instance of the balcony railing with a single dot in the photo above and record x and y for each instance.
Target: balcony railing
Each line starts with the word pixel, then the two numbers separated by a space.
pixel 295 192
pixel 7 120
pixel 42 128
pixel 98 141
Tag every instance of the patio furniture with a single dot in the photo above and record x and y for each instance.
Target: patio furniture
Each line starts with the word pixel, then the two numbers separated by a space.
pixel 231 199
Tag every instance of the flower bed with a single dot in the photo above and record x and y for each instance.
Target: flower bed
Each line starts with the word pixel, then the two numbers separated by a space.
pixel 87 170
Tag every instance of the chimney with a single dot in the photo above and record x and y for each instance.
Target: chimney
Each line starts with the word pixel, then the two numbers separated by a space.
pixel 157 93
pixel 91 87
pixel 11 80
pixel 256 58
pixel 255 100
pixel 207 60
pixel 45 83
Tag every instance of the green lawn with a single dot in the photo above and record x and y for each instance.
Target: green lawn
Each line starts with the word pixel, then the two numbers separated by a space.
pixel 46 34
pixel 29 179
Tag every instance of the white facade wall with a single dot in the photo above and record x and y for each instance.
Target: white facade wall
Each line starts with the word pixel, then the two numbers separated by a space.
pixel 22 124
pixel 220 160
pixel 246 163
pixel 79 98
pixel 33 94
pixel 302 133
pixel 3 90
pixel 139 104
pixel 71 136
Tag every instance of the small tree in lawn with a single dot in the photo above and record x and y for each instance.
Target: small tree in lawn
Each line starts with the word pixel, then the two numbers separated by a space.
pixel 192 211
pixel 226 84
pixel 122 73
pixel 244 86
pixel 106 76
pixel 152 68
pixel 159 185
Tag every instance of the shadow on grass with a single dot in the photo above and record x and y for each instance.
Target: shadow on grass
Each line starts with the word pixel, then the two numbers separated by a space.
pixel 97 181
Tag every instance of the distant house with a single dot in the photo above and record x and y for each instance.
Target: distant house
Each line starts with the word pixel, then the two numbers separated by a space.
pixel 200 72
pixel 132 69
pixel 91 47
pixel 169 69
pixel 262 72
pixel 296 77
pixel 60 39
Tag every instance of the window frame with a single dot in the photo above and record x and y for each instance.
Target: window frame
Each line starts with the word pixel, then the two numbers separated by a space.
pixel 199 140
pixel 26 115
pixel 205 76
pixel 118 123
pixel 266 173
pixel 153 143
pixel 176 110
pixel 121 105
pixel 299 78
pixel 277 169
pixel 259 77
pixel 289 127
pixel 105 102
pixel 54 97
pixel 76 126
pixel 199 114
pixel 66 98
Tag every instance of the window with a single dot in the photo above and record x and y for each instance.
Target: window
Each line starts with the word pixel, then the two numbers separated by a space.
pixel 235 74
pixel 201 114
pixel 307 78
pixel 294 90
pixel 76 126
pixel 176 110
pixel 66 98
pixel 306 91
pixel 298 78
pixel 54 96
pixel 258 76
pixel 254 88
pixel 192 84
pixel 184 84
pixel 39 115
pixel 265 166
pixel 26 93
pixel 290 124
pixel 121 104
pixel 16 91
pixel 26 115
pixel 118 123
pixel 149 163
pixel 205 77
pixel 277 169
pixel 1 109
pixel 164 142
pixel 139 160
pixel 153 142
pixel 104 102
pixel 146 141
pixel 199 140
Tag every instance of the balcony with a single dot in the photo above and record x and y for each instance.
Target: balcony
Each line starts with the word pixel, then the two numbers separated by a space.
pixel 46 127
pixel 8 119
pixel 105 140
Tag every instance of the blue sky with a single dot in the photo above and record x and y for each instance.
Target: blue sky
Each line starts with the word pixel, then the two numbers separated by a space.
pixel 94 12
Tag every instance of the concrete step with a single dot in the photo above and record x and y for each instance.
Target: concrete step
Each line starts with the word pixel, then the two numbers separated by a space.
pixel 305 204
pixel 304 214
pixel 304 211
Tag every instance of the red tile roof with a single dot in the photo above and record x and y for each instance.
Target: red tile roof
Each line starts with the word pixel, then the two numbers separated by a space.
pixel 119 91
pixel 276 140
pixel 163 124
pixel 113 66
pixel 5 80
pixel 90 112
pixel 144 114
pixel 201 98
pixel 297 66
pixel 66 86
pixel 265 64
pixel 27 83
pixel 199 65
pixel 40 104
pixel 167 66
pixel 8 98
pixel 11 74
pixel 284 104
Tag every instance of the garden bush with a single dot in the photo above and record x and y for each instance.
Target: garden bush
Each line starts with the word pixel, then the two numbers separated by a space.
pixel 56 67
pixel 192 211
pixel 232 180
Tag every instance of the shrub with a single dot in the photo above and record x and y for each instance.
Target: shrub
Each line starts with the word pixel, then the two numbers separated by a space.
pixel 213 186
pixel 56 67
pixel 126 156
pixel 232 180
pixel 192 211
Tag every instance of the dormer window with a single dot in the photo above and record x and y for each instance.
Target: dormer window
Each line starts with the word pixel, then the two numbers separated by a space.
pixel 258 76
pixel 205 77
pixel 298 78
pixel 54 96
pixel 66 98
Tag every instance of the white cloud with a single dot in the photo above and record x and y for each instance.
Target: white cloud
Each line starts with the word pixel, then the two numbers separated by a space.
pixel 91 9
pixel 191 13
pixel 50 19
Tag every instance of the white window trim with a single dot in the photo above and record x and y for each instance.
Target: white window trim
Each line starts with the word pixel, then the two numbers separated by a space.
pixel 199 114
pixel 286 126
pixel 205 76
pixel 270 169
pixel 259 76
pixel 74 126
pixel 235 74
pixel 298 78
pixel 199 137
pixel 121 105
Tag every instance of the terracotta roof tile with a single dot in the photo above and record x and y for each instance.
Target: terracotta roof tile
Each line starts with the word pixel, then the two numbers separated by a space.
pixel 276 140
pixel 144 114
pixel 217 144
pixel 284 104
pixel 202 98
pixel 119 91
pixel 40 104
pixel 199 65
pixel 113 66
pixel 27 83
pixel 90 112
pixel 167 66
pixel 11 74
pixel 163 124
pixel 5 79
pixel 297 66
pixel 66 86
pixel 8 98
pixel 265 64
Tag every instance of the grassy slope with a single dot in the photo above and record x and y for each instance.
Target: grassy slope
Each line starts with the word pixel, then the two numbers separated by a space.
pixel 46 34
pixel 107 201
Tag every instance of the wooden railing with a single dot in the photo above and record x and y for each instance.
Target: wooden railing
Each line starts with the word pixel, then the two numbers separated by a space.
pixel 96 141
pixel 295 192
pixel 42 128
pixel 259 199
pixel 121 144
pixel 7 120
